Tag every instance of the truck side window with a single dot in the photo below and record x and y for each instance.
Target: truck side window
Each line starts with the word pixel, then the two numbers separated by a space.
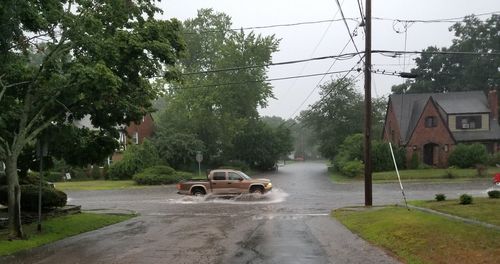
pixel 219 176
pixel 233 176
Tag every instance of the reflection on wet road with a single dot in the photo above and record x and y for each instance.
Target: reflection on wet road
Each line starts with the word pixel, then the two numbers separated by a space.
pixel 289 225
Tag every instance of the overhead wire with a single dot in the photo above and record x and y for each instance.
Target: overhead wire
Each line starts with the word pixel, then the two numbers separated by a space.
pixel 347 27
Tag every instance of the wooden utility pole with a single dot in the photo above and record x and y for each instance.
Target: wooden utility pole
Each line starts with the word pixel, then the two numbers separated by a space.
pixel 368 104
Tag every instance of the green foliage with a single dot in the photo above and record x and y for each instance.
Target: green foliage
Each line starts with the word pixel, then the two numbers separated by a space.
pixel 235 165
pixel 494 159
pixel 29 198
pixel 494 194
pixel 261 145
pixel 440 197
pixel 465 199
pixel 160 175
pixel 445 73
pixel 340 115
pixel 382 158
pixel 176 149
pixel 135 159
pixel 352 168
pixel 414 162
pixel 467 156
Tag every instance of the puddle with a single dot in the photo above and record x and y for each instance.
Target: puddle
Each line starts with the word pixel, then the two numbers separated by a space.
pixel 275 196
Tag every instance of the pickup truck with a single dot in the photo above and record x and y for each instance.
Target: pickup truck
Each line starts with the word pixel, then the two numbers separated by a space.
pixel 224 182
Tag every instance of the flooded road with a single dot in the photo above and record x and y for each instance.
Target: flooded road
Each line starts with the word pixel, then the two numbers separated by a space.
pixel 289 225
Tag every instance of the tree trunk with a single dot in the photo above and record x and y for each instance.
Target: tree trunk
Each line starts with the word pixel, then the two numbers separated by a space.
pixel 14 201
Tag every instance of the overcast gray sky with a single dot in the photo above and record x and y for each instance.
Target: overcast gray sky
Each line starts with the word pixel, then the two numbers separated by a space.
pixel 306 41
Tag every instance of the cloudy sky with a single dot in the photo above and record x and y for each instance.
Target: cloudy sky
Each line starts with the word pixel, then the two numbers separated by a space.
pixel 324 39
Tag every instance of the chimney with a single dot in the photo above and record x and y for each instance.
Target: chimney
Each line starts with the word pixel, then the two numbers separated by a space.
pixel 493 102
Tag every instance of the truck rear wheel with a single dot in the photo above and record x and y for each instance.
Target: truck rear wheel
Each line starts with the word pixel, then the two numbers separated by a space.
pixel 198 192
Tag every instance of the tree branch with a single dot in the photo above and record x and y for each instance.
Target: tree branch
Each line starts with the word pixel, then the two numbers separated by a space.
pixel 5 148
pixel 40 128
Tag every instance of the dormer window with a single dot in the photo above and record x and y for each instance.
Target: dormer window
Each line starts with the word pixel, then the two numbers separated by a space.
pixel 468 122
pixel 430 121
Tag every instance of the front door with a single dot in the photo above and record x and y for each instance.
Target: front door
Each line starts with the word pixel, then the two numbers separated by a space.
pixel 430 154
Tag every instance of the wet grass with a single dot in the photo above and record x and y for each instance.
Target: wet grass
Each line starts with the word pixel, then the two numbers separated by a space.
pixel 453 174
pixel 96 185
pixel 482 209
pixel 56 229
pixel 418 237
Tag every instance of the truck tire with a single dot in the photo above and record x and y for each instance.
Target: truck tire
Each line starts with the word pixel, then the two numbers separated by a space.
pixel 198 191
pixel 257 190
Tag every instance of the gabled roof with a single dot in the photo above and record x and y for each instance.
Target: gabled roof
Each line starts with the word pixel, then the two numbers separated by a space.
pixel 408 108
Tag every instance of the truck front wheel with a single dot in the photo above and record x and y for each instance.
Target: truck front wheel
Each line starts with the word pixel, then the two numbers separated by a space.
pixel 257 190
pixel 198 192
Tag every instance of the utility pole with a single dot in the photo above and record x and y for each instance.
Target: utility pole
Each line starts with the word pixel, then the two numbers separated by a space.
pixel 368 104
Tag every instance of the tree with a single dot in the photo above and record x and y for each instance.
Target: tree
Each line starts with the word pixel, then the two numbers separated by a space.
pixel 459 72
pixel 339 115
pixel 63 60
pixel 216 106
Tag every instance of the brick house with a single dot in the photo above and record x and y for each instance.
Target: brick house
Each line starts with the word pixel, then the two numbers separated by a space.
pixel 134 133
pixel 429 125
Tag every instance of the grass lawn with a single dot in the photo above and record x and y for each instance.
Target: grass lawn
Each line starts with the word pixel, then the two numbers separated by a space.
pixel 95 185
pixel 422 174
pixel 482 209
pixel 418 237
pixel 56 229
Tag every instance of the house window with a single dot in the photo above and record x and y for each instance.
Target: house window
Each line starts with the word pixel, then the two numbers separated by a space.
pixel 468 122
pixel 446 148
pixel 430 121
pixel 136 138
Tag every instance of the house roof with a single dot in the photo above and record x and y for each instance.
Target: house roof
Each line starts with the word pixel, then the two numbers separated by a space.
pixel 408 108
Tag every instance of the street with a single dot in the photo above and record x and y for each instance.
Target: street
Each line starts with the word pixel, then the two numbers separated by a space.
pixel 289 225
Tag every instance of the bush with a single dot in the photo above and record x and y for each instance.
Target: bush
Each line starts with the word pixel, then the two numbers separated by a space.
pixel 33 179
pixel 414 162
pixel 494 159
pixel 135 159
pixel 382 158
pixel 467 156
pixel 352 168
pixel 465 199
pixel 495 194
pixel 440 197
pixel 160 175
pixel 29 197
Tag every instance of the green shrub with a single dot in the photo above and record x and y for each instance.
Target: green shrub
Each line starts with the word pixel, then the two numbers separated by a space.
pixel 467 156
pixel 29 197
pixel 32 178
pixel 495 194
pixel 157 175
pixel 414 162
pixel 465 199
pixel 494 159
pixel 382 158
pixel 135 159
pixel 440 197
pixel 352 168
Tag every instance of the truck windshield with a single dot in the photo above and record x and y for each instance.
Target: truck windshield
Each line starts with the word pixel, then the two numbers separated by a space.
pixel 246 177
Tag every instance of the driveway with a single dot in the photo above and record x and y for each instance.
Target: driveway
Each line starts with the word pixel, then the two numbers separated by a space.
pixel 289 225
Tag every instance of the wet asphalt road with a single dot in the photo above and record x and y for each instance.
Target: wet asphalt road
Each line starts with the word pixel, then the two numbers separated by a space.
pixel 290 225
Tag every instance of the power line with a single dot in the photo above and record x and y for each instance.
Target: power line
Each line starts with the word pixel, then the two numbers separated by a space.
pixel 266 80
pixel 347 27
pixel 356 19
pixel 395 53
pixel 344 56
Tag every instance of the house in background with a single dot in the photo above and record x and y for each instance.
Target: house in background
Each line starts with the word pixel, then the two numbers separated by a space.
pixel 429 125
pixel 134 133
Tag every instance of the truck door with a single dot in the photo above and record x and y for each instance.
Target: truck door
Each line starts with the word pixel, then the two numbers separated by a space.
pixel 236 183
pixel 220 183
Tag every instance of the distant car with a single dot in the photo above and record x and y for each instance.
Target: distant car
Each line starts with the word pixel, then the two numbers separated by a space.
pixel 224 182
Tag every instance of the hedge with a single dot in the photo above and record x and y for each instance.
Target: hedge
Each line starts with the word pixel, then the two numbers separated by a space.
pixel 157 175
pixel 29 197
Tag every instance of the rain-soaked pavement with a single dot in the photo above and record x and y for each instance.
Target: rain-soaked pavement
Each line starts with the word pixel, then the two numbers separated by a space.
pixel 289 225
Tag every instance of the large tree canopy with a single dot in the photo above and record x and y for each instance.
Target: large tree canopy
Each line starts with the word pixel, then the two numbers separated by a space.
pixel 460 72
pixel 216 106
pixel 340 114
pixel 63 60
